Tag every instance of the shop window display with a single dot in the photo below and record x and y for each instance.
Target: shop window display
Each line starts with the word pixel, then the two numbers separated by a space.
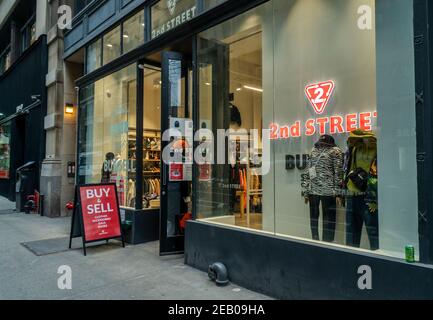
pixel 342 144
pixel 4 151
pixel 107 114
pixel 152 138
pixel 108 135
pixel 231 81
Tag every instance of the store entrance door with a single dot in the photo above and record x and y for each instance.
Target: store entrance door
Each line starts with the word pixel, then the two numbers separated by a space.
pixel 176 130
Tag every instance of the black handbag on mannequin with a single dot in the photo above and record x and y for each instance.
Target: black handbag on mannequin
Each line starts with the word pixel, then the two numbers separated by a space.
pixel 358 176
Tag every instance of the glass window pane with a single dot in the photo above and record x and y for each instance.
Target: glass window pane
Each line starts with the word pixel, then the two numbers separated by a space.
pixel 111 43
pixel 152 138
pixel 168 14
pixel 133 32
pixel 231 79
pixel 108 124
pixel 33 33
pixel 5 150
pixel 337 96
pixel 93 59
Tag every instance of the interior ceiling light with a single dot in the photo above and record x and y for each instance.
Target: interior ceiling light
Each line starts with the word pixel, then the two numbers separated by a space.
pixel 253 88
pixel 239 89
pixel 109 45
pixel 125 36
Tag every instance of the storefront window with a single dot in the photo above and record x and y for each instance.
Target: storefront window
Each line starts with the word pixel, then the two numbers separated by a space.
pixel 107 132
pixel 169 14
pixel 5 60
pixel 133 32
pixel 152 139
pixel 335 91
pixel 4 151
pixel 93 58
pixel 111 45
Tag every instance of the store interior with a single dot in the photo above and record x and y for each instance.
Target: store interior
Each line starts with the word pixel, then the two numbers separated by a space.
pixel 244 111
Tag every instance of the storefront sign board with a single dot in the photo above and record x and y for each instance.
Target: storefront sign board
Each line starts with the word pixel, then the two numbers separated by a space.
pixel 96 215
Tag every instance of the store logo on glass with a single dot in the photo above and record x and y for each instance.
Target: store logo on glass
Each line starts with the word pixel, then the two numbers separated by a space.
pixel 319 94
pixel 171 4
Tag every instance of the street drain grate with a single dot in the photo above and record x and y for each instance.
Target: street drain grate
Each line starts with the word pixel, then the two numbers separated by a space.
pixel 48 246
pixel 59 245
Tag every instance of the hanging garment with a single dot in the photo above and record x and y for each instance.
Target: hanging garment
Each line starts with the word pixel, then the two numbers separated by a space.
pixel 131 191
pixel 324 176
pixel 362 151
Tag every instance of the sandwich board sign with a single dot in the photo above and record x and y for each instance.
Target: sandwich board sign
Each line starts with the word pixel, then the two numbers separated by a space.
pixel 96 215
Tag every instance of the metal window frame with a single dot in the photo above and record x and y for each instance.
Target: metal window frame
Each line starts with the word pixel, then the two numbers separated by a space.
pixel 423 17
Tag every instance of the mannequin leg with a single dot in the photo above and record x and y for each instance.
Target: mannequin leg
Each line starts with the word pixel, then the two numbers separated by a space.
pixel 329 208
pixel 314 216
pixel 354 220
pixel 372 225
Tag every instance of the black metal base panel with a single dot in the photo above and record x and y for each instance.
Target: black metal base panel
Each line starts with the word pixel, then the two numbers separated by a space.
pixel 290 269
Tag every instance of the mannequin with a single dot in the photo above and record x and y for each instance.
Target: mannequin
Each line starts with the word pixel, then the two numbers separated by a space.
pixel 322 184
pixel 107 168
pixel 361 158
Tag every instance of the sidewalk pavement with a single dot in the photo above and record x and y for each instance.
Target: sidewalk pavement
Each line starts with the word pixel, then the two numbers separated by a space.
pixel 5 204
pixel 108 272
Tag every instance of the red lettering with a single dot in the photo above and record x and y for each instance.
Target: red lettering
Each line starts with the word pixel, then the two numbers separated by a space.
pixel 274 129
pixel 336 125
pixel 284 133
pixel 365 121
pixel 295 131
pixel 310 127
pixel 322 124
pixel 351 122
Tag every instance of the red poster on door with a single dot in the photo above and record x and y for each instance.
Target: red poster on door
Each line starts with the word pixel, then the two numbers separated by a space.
pixel 176 172
pixel 100 212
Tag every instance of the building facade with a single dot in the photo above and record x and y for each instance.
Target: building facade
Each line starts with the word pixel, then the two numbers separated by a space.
pixel 323 111
pixel 23 107
pixel 34 123
pixel 57 179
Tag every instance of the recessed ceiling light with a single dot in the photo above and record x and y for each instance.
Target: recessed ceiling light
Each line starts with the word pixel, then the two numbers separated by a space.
pixel 253 88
